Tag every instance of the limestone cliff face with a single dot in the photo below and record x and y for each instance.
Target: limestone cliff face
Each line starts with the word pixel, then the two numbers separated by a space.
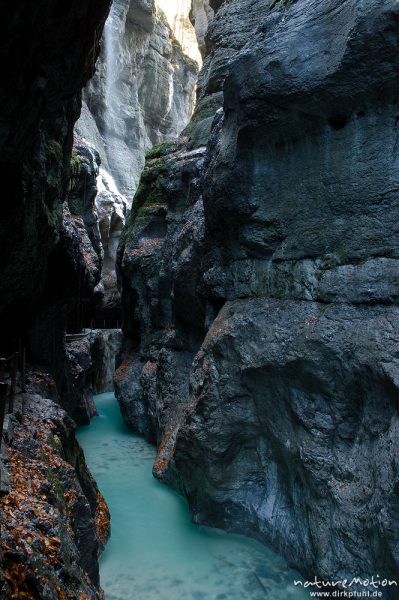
pixel 144 88
pixel 177 13
pixel 201 15
pixel 160 270
pixel 96 204
pixel 259 286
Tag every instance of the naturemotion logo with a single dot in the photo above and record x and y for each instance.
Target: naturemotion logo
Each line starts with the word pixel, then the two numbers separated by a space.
pixel 356 587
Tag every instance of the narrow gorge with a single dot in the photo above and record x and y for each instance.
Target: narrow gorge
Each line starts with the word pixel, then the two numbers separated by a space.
pixel 200 217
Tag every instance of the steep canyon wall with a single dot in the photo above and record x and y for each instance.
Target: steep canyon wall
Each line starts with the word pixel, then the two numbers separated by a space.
pixel 260 290
pixel 49 266
pixel 142 93
pixel 50 262
pixel 144 88
pixel 59 231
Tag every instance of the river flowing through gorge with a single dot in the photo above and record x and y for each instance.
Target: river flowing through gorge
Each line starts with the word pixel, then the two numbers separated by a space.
pixel 155 552
pixel 200 215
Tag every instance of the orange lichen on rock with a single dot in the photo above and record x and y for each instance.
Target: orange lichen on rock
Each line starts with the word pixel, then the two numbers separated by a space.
pixel 165 452
pixel 37 539
pixel 150 367
pixel 122 372
pixel 103 520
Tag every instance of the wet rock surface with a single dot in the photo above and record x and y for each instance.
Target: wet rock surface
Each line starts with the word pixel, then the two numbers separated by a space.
pixel 92 214
pixel 160 272
pixel 330 237
pixel 77 260
pixel 105 348
pixel 307 449
pixel 99 210
pixel 83 191
pixel 284 425
pixel 54 521
pixel 91 359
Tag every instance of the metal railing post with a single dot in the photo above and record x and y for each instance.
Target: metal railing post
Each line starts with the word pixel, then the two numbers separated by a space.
pixel 3 363
pixel 14 370
pixel 3 400
pixel 23 370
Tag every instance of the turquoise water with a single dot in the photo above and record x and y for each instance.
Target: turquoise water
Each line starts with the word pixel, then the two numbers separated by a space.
pixel 155 552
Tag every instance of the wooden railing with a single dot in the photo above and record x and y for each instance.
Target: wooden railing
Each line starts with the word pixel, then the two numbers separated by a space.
pixel 102 324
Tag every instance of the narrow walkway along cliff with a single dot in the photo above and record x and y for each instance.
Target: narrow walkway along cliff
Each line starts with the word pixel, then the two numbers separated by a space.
pixel 200 211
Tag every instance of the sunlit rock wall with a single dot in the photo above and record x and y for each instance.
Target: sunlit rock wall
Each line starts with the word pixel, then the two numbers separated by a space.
pixel 143 92
pixel 201 15
pixel 177 13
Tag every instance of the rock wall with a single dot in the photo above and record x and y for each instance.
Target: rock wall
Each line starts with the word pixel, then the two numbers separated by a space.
pixel 144 88
pixel 72 279
pixel 160 270
pixel 94 199
pixel 201 14
pixel 54 521
pixel 40 100
pixel 259 288
pixel 49 264
pixel 81 292
pixel 105 347
pixel 177 13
